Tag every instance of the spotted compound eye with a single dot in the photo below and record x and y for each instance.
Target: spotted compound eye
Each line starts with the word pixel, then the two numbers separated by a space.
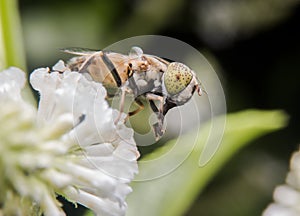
pixel 177 77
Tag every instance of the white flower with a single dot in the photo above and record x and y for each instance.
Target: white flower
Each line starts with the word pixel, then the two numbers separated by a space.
pixel 287 196
pixel 69 146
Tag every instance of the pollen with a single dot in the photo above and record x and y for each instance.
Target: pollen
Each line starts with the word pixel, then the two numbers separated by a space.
pixel 177 77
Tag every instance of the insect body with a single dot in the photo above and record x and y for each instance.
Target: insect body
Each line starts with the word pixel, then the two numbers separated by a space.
pixel 156 79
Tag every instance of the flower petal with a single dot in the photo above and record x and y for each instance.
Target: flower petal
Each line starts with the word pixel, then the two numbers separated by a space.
pixel 12 81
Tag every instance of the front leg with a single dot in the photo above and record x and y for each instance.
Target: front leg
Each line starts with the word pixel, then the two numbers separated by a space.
pixel 158 126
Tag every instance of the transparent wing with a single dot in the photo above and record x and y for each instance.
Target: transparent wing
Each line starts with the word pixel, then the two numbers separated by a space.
pixel 79 51
pixel 162 59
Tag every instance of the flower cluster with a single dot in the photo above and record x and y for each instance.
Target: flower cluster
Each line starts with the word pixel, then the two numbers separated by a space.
pixel 287 196
pixel 69 146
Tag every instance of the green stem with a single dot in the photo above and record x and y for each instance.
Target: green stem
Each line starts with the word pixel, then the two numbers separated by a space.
pixel 11 41
pixel 11 35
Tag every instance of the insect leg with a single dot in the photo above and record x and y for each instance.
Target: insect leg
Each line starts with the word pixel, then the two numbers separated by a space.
pixel 140 107
pixel 158 126
pixel 155 97
pixel 122 102
pixel 153 106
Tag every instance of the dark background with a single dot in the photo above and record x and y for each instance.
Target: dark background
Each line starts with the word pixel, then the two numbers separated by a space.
pixel 254 44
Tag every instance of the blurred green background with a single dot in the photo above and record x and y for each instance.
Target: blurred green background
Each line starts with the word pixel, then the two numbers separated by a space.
pixel 255 47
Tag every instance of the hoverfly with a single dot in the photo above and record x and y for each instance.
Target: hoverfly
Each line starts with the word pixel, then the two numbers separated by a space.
pixel 145 76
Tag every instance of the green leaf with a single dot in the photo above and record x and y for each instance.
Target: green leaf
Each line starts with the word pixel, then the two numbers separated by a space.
pixel 173 193
pixel 89 213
